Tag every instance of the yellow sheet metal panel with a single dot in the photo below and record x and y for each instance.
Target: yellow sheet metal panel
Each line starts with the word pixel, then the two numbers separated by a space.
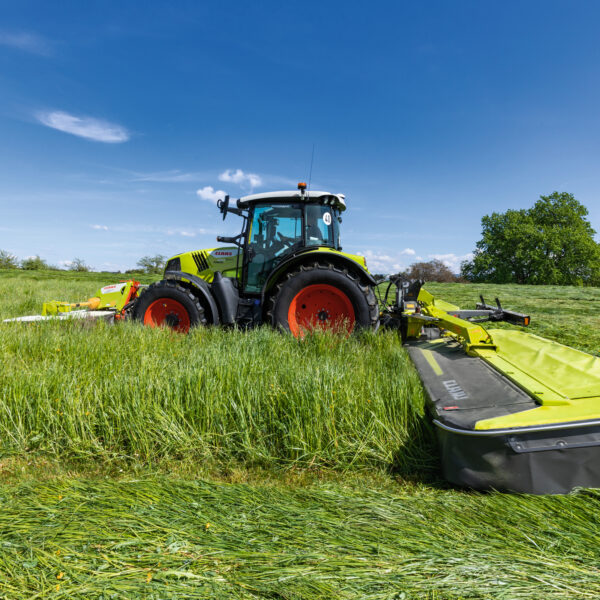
pixel 565 381
pixel 570 372
pixel 578 410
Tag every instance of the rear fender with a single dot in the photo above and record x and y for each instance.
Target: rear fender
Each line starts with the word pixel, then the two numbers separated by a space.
pixel 336 258
pixel 198 287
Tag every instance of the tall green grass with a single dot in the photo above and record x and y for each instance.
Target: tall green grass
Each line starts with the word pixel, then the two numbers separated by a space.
pixel 217 396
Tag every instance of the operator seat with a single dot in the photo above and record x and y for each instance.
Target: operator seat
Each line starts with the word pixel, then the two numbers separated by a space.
pixel 314 235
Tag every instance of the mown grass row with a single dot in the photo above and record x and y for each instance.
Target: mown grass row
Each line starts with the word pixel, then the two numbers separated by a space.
pixel 163 539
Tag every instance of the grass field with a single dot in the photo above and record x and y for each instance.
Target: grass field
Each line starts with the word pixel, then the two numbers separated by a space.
pixel 140 464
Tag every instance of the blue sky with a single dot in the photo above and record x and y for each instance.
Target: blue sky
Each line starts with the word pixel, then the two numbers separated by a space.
pixel 120 120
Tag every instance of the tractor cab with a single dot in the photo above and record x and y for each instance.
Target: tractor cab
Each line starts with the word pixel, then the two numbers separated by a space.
pixel 278 225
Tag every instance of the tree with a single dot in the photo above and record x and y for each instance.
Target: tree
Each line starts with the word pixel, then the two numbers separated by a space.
pixel 78 264
pixel 550 243
pixel 433 270
pixel 34 263
pixel 152 264
pixel 8 260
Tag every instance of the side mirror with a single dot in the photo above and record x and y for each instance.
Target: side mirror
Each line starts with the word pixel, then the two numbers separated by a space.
pixel 223 206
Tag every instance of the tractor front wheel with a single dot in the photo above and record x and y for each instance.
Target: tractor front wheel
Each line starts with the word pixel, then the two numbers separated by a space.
pixel 320 296
pixel 169 304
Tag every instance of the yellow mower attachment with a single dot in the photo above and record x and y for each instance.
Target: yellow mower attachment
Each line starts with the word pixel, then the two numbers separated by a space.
pixel 55 307
pixel 114 297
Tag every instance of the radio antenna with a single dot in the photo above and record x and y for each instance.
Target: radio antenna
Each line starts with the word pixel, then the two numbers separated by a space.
pixel 312 158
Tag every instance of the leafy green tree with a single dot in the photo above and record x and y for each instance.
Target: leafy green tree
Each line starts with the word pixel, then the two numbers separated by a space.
pixel 8 260
pixel 34 263
pixel 550 243
pixel 433 270
pixel 152 264
pixel 78 264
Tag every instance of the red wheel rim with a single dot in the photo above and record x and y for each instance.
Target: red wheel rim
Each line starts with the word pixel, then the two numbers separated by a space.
pixel 320 306
pixel 167 312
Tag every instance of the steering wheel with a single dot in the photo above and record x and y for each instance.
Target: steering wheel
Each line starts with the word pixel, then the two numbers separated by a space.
pixel 287 241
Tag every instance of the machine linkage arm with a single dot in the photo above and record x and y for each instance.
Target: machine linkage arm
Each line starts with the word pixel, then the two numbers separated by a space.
pixel 497 313
pixel 416 307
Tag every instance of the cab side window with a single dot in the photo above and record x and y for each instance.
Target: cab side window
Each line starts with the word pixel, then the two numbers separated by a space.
pixel 318 225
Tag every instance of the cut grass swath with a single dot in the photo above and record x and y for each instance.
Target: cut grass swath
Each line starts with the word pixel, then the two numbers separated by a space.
pixel 162 539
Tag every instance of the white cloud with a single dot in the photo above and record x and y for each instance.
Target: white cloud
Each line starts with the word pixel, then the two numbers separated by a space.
pixel 244 180
pixel 102 227
pixel 451 260
pixel 378 262
pixel 85 127
pixel 408 252
pixel 209 193
pixel 28 42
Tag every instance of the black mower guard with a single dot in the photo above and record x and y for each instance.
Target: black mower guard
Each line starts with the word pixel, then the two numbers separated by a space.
pixel 475 385
pixel 544 459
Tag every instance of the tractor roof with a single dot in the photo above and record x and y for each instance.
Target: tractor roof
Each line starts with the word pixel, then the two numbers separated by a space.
pixel 337 200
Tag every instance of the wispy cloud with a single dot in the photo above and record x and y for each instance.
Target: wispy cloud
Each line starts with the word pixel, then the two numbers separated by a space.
pixel 237 177
pixel 172 176
pixel 244 180
pixel 408 252
pixel 277 181
pixel 209 193
pixel 188 232
pixel 101 227
pixel 85 127
pixel 27 42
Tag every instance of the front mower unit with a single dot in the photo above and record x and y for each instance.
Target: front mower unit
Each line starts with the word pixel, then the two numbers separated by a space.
pixel 109 303
pixel 512 411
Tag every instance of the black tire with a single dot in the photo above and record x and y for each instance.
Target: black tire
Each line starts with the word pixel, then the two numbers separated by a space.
pixel 361 296
pixel 171 290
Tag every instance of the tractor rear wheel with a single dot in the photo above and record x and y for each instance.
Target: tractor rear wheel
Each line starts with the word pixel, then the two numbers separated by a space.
pixel 169 304
pixel 321 296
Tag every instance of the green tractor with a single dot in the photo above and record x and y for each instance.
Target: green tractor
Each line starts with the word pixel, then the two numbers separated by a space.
pixel 285 268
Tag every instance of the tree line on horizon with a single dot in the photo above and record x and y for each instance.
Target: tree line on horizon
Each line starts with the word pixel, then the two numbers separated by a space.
pixel 551 243
pixel 150 265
